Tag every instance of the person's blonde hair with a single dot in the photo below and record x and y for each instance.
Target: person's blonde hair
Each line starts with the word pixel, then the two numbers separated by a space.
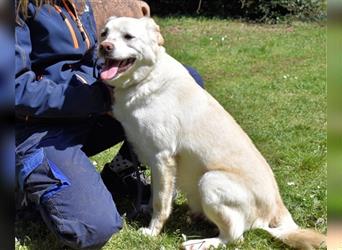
pixel 23 4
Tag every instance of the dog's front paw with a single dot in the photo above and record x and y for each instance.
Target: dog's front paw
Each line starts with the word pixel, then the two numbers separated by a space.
pixel 146 231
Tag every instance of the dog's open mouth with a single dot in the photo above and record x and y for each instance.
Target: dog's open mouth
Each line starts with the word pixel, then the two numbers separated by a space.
pixel 112 67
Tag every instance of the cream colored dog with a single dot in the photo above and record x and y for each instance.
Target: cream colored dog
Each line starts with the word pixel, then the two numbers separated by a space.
pixel 189 140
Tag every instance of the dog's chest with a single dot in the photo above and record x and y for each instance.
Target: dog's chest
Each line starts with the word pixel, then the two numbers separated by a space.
pixel 150 127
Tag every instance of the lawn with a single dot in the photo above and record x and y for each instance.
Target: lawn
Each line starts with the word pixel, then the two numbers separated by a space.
pixel 272 79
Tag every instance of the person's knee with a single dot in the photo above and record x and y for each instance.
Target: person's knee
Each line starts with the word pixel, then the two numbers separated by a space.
pixel 83 214
pixel 90 234
pixel 81 220
pixel 106 227
pixel 100 233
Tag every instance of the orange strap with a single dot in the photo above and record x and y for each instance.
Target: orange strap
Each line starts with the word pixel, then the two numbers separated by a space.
pixel 71 29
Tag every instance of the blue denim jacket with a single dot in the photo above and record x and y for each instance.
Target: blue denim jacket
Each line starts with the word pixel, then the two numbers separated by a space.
pixel 54 75
pixel 55 55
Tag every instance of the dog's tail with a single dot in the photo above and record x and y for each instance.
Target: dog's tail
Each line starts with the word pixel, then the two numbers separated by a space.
pixel 291 234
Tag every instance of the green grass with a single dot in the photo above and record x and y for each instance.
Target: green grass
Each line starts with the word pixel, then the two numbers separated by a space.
pixel 272 79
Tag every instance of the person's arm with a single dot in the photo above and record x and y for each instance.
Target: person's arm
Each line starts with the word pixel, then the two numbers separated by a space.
pixel 46 98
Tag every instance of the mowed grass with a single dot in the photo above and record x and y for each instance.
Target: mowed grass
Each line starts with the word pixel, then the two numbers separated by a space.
pixel 272 79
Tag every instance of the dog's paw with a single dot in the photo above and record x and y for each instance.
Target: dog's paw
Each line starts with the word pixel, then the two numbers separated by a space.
pixel 146 231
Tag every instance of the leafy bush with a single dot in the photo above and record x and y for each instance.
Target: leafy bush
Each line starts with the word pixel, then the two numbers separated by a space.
pixel 258 10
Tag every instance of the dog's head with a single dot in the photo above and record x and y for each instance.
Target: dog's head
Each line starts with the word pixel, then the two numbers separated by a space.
pixel 130 48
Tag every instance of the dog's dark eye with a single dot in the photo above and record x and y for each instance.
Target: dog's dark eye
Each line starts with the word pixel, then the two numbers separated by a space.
pixel 104 32
pixel 128 36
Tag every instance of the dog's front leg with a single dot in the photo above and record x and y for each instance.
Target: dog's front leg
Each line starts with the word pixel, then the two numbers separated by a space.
pixel 163 184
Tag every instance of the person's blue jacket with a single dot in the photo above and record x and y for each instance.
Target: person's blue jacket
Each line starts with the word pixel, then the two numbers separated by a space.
pixel 55 54
pixel 55 51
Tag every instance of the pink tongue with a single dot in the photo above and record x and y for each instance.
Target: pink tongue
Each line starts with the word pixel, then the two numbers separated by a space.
pixel 109 72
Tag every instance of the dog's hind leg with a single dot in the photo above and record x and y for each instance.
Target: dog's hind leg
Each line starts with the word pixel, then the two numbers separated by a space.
pixel 225 202
pixel 163 185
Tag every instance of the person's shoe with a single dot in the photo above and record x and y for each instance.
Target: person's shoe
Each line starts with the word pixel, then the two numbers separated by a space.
pixel 126 181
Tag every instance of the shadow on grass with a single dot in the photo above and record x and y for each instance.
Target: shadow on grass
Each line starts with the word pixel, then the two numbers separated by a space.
pixel 32 233
pixel 181 221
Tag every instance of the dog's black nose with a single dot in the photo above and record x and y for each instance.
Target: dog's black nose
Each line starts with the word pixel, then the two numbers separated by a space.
pixel 106 47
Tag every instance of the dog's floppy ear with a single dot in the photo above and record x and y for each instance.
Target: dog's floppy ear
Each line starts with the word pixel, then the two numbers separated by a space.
pixel 151 24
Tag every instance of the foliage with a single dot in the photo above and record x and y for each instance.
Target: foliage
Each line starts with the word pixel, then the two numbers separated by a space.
pixel 258 10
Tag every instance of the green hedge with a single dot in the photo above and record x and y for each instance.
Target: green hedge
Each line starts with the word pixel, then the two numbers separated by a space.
pixel 258 10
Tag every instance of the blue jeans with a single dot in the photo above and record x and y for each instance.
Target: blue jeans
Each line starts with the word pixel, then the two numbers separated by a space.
pixel 66 188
